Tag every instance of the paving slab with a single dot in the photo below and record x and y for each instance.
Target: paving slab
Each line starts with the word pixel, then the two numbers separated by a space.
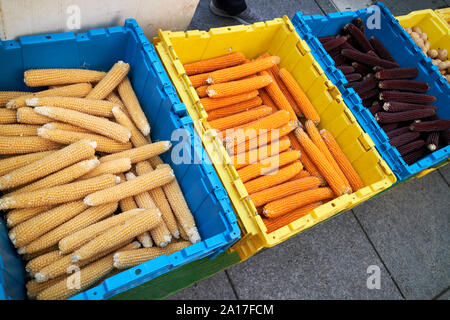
pixel 404 7
pixel 410 228
pixel 445 295
pixel 445 172
pixel 216 287
pixel 329 261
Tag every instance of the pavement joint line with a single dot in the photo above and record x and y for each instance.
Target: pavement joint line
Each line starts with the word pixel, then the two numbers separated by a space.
pixel 443 177
pixel 232 285
pixel 321 8
pixel 441 294
pixel 379 256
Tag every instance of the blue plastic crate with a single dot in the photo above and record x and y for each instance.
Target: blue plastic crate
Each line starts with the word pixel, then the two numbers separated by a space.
pixel 99 49
pixel 407 54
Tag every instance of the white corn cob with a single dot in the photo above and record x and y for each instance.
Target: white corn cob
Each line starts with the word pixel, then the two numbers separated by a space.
pixel 114 98
pixel 5 96
pixel 75 90
pixel 142 222
pixel 52 77
pixel 83 220
pixel 8 116
pixel 113 167
pixel 34 288
pixel 81 150
pixel 131 258
pixel 11 163
pixel 67 137
pixel 18 130
pixel 131 102
pixel 126 189
pixel 180 208
pixel 16 216
pixel 63 126
pixel 36 264
pixel 81 237
pixel 183 233
pixel 33 228
pixel 63 176
pixel 27 115
pixel 112 79
pixel 141 153
pixel 96 124
pixel 137 139
pixel 160 199
pixel 21 145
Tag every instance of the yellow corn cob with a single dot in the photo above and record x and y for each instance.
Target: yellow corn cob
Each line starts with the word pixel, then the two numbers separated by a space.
pixel 142 222
pixel 160 199
pixel 155 161
pixel 234 109
pixel 78 238
pixel 183 234
pixel 7 116
pixel 161 235
pixel 78 90
pixel 113 167
pixel 137 139
pixel 17 216
pixel 237 87
pixel 93 107
pixel 53 162
pixel 180 207
pixel 127 203
pixel 140 153
pixel 58 194
pixel 240 118
pixel 18 130
pixel 216 63
pixel 5 96
pixel 52 77
pixel 96 124
pixel 63 126
pixel 36 264
pixel 34 288
pixel 11 163
pixel 114 98
pixel 64 176
pixel 131 258
pixel 27 115
pixel 84 219
pixel 21 145
pixel 112 79
pixel 67 137
pixel 33 228
pixel 133 107
pixel 31 256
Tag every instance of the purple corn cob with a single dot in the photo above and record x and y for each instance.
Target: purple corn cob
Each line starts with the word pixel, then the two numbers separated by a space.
pixel 390 126
pixel 374 109
pixel 430 126
pixel 392 106
pixel 332 44
pixel 410 147
pixel 359 23
pixel 339 60
pixel 346 69
pixel 368 94
pixel 368 102
pixel 377 68
pixel 397 132
pixel 353 77
pixel 366 85
pixel 397 73
pixel 407 97
pixel 326 39
pixel 360 68
pixel 414 156
pixel 358 36
pixel 433 140
pixel 347 45
pixel 405 85
pixel 367 59
pixel 381 50
pixel 404 139
pixel 372 53
pixel 391 117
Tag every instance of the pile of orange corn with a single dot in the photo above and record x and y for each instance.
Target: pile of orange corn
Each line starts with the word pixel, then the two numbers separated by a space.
pixel 288 171
pixel 84 186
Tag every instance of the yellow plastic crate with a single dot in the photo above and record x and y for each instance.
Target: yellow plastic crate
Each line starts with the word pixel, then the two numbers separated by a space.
pixel 278 37
pixel 435 25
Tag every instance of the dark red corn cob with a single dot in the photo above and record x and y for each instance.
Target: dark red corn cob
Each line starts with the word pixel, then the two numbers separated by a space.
pixel 397 132
pixel 415 156
pixel 369 102
pixel 332 44
pixel 339 60
pixel 360 68
pixel 433 140
pixel 397 73
pixel 367 59
pixel 391 117
pixel 359 23
pixel 366 85
pixel 410 147
pixel 372 53
pixel 392 106
pixel 359 37
pixel 390 126
pixel 377 68
pixel 405 85
pixel 346 69
pixel 353 77
pixel 430 126
pixel 374 109
pixel 347 45
pixel 334 52
pixel 369 94
pixel 381 50
pixel 407 97
pixel 404 139
pixel 326 39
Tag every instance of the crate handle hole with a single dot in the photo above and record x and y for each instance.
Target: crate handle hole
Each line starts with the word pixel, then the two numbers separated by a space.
pixel 48 37
pixel 95 293
pixel 333 205
pixel 137 272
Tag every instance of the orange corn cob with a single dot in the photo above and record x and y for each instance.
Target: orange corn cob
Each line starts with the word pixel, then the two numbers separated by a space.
pixel 268 181
pixel 198 80
pixel 279 222
pixel 232 88
pixel 321 163
pixel 314 135
pixel 302 174
pixel 212 104
pixel 268 166
pixel 303 102
pixel 245 158
pixel 235 108
pixel 342 160
pixel 309 165
pixel 286 189
pixel 267 100
pixel 278 98
pixel 240 118
pixel 243 70
pixel 201 91
pixel 284 205
pixel 228 60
